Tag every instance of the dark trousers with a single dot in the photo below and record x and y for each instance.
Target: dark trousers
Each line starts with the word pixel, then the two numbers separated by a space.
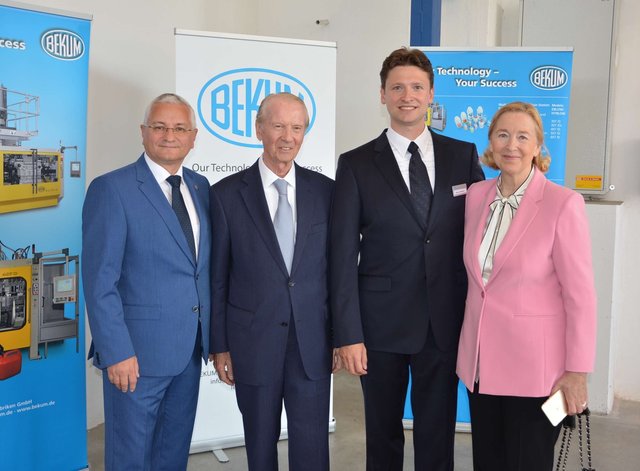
pixel 307 405
pixel 433 399
pixel 511 433
pixel 150 429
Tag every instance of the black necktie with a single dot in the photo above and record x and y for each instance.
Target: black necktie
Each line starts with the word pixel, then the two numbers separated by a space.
pixel 177 202
pixel 420 186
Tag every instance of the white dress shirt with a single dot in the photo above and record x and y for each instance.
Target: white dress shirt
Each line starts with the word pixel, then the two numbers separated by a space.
pixel 271 193
pixel 161 174
pixel 400 147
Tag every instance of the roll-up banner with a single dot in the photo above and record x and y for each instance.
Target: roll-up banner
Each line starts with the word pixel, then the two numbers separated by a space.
pixel 225 77
pixel 470 85
pixel 44 58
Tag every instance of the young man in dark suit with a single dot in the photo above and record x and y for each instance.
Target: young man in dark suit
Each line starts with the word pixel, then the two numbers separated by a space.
pixel 398 282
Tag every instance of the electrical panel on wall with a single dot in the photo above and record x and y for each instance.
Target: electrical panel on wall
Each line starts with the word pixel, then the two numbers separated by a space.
pixel 563 23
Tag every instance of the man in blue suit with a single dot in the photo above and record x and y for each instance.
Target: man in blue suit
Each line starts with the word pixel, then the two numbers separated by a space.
pixel 270 321
pixel 146 274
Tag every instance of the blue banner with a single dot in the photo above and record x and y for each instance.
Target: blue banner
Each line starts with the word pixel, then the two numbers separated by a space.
pixel 470 86
pixel 44 59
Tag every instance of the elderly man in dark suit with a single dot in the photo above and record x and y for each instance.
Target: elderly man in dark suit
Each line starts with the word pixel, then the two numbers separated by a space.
pixel 398 283
pixel 270 328
pixel 146 246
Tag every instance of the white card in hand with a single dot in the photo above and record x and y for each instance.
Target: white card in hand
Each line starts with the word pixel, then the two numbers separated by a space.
pixel 554 408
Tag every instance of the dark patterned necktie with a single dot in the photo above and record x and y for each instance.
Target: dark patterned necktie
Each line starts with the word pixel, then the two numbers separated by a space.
pixel 420 186
pixel 177 202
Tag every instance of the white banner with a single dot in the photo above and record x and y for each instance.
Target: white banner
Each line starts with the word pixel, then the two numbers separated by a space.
pixel 225 77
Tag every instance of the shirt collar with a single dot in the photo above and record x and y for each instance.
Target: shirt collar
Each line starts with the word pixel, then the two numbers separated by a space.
pixel 519 193
pixel 159 172
pixel 268 177
pixel 401 143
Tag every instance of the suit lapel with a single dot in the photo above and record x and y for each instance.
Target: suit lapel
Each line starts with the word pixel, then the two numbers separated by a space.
pixel 386 163
pixel 477 217
pixel 256 203
pixel 444 166
pixel 150 188
pixel 304 210
pixel 194 190
pixel 524 216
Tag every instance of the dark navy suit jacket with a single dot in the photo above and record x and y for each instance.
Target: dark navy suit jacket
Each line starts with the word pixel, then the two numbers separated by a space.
pixel 390 278
pixel 254 298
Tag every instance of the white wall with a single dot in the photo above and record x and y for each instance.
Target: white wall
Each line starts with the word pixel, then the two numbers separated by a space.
pixel 625 175
pixel 366 31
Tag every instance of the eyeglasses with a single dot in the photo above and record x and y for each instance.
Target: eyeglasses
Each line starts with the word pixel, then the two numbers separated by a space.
pixel 159 129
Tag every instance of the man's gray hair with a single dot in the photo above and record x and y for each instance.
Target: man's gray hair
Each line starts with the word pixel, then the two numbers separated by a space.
pixel 287 95
pixel 175 100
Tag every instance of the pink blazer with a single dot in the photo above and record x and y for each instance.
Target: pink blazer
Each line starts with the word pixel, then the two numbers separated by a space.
pixel 536 316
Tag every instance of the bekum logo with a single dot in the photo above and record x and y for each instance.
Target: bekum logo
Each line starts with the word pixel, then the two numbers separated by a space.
pixel 62 44
pixel 229 102
pixel 548 77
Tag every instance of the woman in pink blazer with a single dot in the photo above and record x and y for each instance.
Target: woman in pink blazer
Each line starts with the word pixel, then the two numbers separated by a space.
pixel 530 318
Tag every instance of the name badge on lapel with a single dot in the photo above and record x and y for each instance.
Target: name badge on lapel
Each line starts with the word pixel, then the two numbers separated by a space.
pixel 459 190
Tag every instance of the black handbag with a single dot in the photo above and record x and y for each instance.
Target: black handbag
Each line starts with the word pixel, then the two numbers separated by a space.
pixel 584 435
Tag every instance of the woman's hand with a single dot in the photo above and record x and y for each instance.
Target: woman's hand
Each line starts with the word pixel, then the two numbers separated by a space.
pixel 574 387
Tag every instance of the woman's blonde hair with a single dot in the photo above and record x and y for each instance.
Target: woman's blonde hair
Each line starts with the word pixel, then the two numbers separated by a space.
pixel 541 162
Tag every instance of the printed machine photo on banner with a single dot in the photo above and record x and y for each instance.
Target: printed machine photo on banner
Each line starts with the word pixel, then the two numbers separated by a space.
pixel 38 304
pixel 31 177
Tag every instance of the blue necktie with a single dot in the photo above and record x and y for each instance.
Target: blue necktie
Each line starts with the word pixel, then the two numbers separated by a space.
pixel 421 193
pixel 283 223
pixel 177 202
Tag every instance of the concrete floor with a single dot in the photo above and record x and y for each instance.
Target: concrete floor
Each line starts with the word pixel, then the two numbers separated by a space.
pixel 616 439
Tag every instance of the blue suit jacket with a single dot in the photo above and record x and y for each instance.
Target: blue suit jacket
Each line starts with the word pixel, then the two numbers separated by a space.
pixel 143 289
pixel 254 298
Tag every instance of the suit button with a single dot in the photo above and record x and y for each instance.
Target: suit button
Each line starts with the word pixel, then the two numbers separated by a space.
pixel 428 241
pixel 291 283
pixel 195 308
pixel 284 324
pixel 482 295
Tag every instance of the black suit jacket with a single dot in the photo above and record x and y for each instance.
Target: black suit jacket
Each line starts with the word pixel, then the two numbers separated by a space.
pixel 390 279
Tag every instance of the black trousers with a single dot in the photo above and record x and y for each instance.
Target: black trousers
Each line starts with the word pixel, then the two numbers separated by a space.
pixel 511 433
pixel 433 400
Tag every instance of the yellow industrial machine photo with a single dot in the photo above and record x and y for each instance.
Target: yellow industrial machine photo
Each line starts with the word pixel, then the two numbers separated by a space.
pixel 39 301
pixel 29 177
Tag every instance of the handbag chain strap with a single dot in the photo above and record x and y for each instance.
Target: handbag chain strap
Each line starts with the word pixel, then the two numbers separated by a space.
pixel 587 428
pixel 567 431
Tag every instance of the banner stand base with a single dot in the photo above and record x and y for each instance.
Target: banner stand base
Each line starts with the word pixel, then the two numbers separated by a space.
pixel 221 456
pixel 464 427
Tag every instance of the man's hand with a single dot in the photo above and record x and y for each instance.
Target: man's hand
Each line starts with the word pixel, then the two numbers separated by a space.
pixel 223 366
pixel 574 388
pixel 124 375
pixel 354 358
pixel 336 362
